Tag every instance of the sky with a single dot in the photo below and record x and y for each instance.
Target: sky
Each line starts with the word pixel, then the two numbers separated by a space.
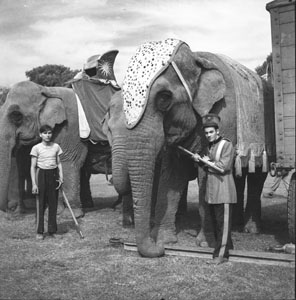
pixel 67 32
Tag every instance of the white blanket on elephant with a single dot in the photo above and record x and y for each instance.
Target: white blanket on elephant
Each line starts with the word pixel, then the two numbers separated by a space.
pixel 84 129
pixel 149 61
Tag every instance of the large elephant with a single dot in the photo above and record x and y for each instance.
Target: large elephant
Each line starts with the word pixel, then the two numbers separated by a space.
pixel 28 105
pixel 166 91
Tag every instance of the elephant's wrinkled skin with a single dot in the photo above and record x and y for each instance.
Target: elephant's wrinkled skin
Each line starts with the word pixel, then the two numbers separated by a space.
pixel 170 119
pixel 27 106
pixel 116 131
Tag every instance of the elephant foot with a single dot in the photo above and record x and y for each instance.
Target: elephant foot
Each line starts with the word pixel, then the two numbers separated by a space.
pixel 252 227
pixel 127 222
pixel 87 204
pixel 20 209
pixel 148 248
pixel 205 240
pixel 166 236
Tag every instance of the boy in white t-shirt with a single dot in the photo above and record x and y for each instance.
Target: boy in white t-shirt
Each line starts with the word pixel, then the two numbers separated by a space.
pixel 47 177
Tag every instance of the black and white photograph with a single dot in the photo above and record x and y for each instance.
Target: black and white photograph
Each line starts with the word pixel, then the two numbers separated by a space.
pixel 147 150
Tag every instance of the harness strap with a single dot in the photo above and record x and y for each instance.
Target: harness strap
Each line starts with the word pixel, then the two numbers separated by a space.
pixel 219 150
pixel 182 79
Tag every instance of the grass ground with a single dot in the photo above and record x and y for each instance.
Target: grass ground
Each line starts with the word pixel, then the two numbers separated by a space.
pixel 68 267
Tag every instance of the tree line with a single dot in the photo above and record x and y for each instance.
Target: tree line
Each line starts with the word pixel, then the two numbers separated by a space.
pixel 59 75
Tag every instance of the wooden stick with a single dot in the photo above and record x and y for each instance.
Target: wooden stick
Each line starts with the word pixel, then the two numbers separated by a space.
pixel 208 163
pixel 73 216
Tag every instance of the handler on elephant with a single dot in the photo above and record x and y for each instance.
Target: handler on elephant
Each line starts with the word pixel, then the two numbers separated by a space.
pixel 220 187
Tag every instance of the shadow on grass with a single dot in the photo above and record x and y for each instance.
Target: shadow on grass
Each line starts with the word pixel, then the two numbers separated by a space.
pixel 102 203
pixel 274 221
pixel 65 226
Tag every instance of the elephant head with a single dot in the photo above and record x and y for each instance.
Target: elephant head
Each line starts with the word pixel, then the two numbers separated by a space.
pixel 166 91
pixel 27 106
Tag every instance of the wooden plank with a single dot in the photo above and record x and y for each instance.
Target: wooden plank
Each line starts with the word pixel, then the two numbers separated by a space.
pixel 288 76
pixel 288 88
pixel 289 122
pixel 288 7
pixel 288 57
pixel 289 146
pixel 287 36
pixel 286 16
pixel 289 111
pixel 263 258
pixel 282 5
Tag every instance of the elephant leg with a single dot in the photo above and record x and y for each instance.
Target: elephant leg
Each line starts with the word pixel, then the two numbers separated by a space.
pixel 238 208
pixel 117 202
pixel 71 188
pixel 85 192
pixel 205 236
pixel 14 195
pixel 182 207
pixel 172 183
pixel 255 183
pixel 127 210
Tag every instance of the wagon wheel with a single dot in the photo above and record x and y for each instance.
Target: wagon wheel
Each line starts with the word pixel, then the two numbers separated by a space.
pixel 291 209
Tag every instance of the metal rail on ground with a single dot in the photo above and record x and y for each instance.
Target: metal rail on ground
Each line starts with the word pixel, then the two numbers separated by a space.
pixel 255 257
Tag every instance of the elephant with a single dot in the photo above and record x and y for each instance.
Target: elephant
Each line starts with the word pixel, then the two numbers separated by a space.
pixel 27 107
pixel 166 91
pixel 20 170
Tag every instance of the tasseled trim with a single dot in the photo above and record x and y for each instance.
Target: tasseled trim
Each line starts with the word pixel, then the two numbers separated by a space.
pixel 238 166
pixel 252 163
pixel 264 162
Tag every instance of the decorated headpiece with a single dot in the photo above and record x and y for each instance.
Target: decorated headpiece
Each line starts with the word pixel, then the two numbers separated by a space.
pixel 149 61
pixel 101 66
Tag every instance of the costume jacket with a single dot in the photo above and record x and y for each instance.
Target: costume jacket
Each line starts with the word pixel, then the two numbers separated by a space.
pixel 220 187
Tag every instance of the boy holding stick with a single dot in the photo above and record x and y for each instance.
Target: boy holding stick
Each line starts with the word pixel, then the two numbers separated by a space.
pixel 47 177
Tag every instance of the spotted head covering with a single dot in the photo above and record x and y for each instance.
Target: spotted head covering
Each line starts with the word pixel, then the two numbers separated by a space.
pixel 150 60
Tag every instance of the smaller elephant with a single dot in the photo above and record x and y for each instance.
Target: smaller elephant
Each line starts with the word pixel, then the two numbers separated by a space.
pixel 29 105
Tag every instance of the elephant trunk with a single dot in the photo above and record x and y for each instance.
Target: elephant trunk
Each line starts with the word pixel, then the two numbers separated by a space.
pixel 143 147
pixel 119 165
pixel 7 144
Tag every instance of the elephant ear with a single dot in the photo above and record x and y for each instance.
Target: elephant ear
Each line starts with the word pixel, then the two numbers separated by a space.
pixel 211 86
pixel 53 110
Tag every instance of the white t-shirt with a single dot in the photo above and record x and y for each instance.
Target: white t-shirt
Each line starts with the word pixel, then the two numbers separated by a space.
pixel 46 155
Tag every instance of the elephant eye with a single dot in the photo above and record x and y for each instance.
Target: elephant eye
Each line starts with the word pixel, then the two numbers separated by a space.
pixel 164 100
pixel 16 117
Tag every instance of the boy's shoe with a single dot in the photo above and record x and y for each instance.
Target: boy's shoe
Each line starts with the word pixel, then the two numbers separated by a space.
pixel 39 236
pixel 268 195
pixel 51 235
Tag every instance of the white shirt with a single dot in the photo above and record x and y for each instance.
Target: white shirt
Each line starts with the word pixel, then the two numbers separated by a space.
pixel 46 155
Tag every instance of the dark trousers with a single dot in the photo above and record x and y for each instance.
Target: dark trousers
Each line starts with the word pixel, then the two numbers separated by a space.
pixel 221 221
pixel 47 197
